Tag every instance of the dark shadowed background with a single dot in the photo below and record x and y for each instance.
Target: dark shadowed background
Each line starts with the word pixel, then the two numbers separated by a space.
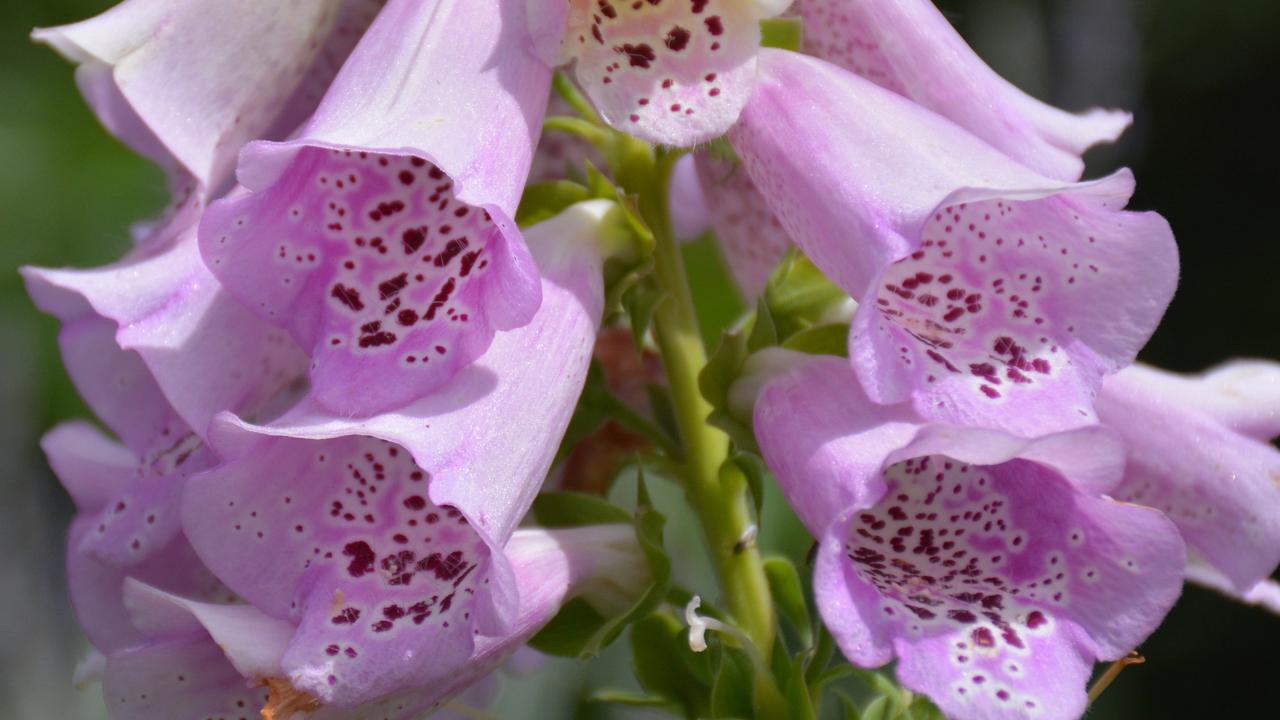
pixel 1201 78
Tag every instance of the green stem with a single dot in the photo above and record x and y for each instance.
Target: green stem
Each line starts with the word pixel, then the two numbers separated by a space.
pixel 719 497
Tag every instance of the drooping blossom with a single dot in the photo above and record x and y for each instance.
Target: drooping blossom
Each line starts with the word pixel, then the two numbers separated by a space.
pixel 202 350
pixel 126 492
pixel 909 47
pixel 191 82
pixel 993 568
pixel 750 236
pixel 1199 449
pixel 380 539
pixel 673 72
pixel 381 235
pixel 991 295
pixel 198 659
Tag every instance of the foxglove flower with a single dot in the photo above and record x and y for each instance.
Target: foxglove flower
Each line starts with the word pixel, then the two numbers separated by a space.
pixel 200 659
pixel 126 493
pixel 166 309
pixel 1199 450
pixel 909 47
pixel 991 295
pixel 992 567
pixel 188 83
pixel 674 72
pixel 381 235
pixel 381 538
pixel 750 236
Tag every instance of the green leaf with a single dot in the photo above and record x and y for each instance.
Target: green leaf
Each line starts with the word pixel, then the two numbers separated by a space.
pixel 741 434
pixel 656 642
pixel 544 200
pixel 798 700
pixel 629 698
pixel 734 687
pixel 877 709
pixel 571 630
pixel 848 710
pixel 788 594
pixel 828 339
pixel 573 509
pixel 786 33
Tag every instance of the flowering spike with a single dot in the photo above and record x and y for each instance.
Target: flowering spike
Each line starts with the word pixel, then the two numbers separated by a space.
pixel 991 295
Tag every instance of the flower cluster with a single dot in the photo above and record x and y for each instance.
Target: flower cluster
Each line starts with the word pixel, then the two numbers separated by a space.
pixel 338 370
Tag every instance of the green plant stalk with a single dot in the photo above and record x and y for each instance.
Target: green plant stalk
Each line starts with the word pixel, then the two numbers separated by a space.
pixel 719 498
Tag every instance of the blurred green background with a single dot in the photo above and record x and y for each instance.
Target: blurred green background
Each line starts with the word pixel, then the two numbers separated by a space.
pixel 1200 77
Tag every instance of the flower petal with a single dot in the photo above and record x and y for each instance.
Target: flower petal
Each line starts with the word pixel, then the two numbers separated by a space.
pixel 1217 484
pixel 199 78
pixel 992 296
pixel 909 47
pixel 676 72
pixel 185 678
pixel 750 235
pixel 984 562
pixel 91 467
pixel 383 243
pixel 200 351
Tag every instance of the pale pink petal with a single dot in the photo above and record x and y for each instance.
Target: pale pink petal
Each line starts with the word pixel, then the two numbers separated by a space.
pixel 1188 459
pixel 676 72
pixel 197 78
pixel 909 47
pixel 750 235
pixel 990 295
pixel 381 237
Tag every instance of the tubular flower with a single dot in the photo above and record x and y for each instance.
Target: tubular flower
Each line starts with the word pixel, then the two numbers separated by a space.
pixel 381 539
pixel 127 493
pixel 188 83
pixel 1199 450
pixel 992 296
pixel 675 72
pixel 908 47
pixel 750 236
pixel 200 659
pixel 381 235
pixel 164 306
pixel 992 567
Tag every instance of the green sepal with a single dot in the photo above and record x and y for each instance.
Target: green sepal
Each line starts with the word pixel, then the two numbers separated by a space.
pixel 799 295
pixel 827 339
pixel 640 302
pixel 752 469
pixel 722 369
pixel 788 595
pixel 579 634
pixel 786 33
pixel 764 331
pixel 545 200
